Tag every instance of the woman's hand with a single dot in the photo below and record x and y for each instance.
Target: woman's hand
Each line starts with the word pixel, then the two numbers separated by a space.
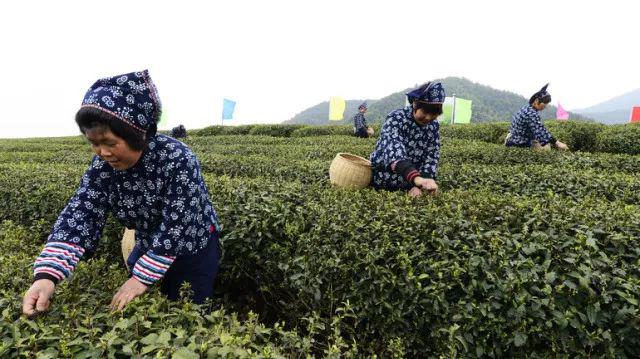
pixel 131 289
pixel 427 184
pixel 415 192
pixel 38 297
pixel 561 146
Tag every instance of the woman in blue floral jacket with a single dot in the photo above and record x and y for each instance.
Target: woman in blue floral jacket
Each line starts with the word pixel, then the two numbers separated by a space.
pixel 408 148
pixel 149 182
pixel 360 127
pixel 527 129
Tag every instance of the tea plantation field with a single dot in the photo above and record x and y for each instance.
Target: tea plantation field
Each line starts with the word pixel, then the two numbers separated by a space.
pixel 521 254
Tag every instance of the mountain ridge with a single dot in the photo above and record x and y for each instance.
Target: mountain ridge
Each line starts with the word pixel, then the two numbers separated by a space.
pixel 489 104
pixel 614 110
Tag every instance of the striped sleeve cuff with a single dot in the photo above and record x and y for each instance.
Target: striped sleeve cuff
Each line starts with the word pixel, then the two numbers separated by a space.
pixel 57 261
pixel 412 175
pixel 151 267
pixel 406 170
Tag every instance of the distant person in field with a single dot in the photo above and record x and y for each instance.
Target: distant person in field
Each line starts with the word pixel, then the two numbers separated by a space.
pixel 408 148
pixel 149 182
pixel 360 128
pixel 178 132
pixel 527 129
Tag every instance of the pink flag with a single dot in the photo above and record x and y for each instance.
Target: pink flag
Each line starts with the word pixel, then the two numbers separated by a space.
pixel 561 114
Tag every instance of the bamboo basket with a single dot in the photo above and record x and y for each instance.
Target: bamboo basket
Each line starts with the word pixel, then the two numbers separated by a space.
pixel 350 171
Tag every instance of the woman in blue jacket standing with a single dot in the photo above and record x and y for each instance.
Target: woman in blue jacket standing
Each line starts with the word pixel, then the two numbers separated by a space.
pixel 360 127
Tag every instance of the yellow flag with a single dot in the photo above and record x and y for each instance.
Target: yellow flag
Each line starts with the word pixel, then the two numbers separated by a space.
pixel 336 108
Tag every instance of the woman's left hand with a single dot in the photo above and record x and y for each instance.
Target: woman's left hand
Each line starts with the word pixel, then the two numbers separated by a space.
pixel 131 289
pixel 415 192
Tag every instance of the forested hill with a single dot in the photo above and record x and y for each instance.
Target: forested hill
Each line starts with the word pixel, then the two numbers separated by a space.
pixel 489 104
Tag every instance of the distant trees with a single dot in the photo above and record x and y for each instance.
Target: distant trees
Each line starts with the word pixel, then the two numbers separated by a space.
pixel 489 104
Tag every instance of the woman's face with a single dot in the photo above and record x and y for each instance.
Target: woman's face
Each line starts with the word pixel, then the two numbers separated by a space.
pixel 112 148
pixel 423 118
pixel 539 105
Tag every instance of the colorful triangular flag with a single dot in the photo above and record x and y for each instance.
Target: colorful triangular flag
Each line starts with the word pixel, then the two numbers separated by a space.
pixel 635 114
pixel 336 108
pixel 163 118
pixel 462 111
pixel 561 114
pixel 227 109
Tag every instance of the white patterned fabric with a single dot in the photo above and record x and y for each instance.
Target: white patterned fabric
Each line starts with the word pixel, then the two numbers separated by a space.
pixel 402 138
pixel 163 197
pixel 526 126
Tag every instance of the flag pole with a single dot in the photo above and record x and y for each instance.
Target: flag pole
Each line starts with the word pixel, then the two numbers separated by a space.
pixel 453 111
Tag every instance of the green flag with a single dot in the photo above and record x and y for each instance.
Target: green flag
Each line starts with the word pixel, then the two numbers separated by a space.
pixel 163 119
pixel 463 111
pixel 447 110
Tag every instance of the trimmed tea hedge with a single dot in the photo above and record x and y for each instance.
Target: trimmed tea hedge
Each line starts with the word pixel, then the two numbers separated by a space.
pixel 620 139
pixel 149 327
pixel 522 252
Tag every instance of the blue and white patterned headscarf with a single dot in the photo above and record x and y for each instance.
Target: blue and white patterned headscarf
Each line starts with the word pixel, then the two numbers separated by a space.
pixel 541 95
pixel 363 106
pixel 430 93
pixel 132 98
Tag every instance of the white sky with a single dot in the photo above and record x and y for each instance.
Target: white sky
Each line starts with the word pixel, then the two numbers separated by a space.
pixel 276 58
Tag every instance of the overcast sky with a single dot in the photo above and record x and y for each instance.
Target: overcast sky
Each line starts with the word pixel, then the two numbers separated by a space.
pixel 276 58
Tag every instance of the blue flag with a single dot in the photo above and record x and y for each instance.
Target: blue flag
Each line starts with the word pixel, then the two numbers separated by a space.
pixel 227 109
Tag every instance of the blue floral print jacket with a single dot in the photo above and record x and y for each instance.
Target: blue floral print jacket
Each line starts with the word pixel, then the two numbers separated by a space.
pixel 163 197
pixel 402 139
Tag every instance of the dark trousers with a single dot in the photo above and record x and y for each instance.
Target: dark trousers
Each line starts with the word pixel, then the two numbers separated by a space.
pixel 362 133
pixel 517 145
pixel 199 270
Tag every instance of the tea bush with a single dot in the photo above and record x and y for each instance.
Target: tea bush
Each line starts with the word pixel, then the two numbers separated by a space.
pixel 578 135
pixel 323 131
pixel 522 254
pixel 275 130
pixel 487 132
pixel 620 139
pixel 222 130
pixel 151 326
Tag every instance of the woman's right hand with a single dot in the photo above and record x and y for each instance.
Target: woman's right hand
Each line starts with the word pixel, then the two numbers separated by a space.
pixel 561 146
pixel 427 184
pixel 38 297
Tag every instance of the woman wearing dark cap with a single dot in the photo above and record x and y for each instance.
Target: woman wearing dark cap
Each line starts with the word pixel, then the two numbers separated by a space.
pixel 408 149
pixel 527 129
pixel 149 182
pixel 360 128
